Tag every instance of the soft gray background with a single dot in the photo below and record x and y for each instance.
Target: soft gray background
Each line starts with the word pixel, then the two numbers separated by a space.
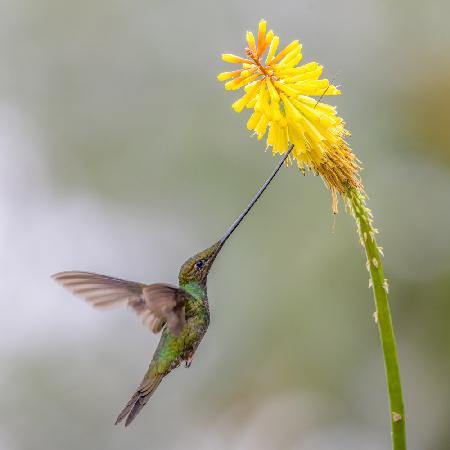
pixel 119 153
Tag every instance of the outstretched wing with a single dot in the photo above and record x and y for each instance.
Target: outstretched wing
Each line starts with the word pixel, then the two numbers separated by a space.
pixel 155 304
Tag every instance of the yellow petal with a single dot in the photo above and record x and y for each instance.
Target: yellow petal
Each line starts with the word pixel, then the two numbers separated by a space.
pixel 227 75
pixel 254 119
pixel 267 41
pixel 246 73
pixel 251 41
pixel 261 36
pixel 262 102
pixel 298 121
pixel 228 57
pixel 311 75
pixel 282 142
pixel 292 113
pixel 272 135
pixel 317 88
pixel 296 137
pixel 322 107
pixel 251 104
pixel 292 58
pixel 331 90
pixel 272 91
pixel 272 49
pixel 315 135
pixel 277 138
pixel 293 45
pixel 288 89
pixel 240 104
pixel 240 81
pixel 275 113
pixel 323 120
pixel 249 86
pixel 308 87
pixel 261 126
pixel 284 72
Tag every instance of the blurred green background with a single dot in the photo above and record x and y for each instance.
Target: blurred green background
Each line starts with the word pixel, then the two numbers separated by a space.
pixel 120 154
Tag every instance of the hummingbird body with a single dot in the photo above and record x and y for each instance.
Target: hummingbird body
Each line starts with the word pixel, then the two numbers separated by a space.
pixel 174 347
pixel 181 313
pixel 172 350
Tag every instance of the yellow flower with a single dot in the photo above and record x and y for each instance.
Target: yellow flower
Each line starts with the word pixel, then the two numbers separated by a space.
pixel 280 94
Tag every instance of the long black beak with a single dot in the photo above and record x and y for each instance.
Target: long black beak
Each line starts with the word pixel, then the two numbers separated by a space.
pixel 255 198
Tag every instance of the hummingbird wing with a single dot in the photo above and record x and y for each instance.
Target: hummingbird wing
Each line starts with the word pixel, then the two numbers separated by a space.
pixel 155 304
pixel 166 303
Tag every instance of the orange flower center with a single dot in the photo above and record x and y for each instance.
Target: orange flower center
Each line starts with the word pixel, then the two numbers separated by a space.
pixel 266 72
pixel 257 62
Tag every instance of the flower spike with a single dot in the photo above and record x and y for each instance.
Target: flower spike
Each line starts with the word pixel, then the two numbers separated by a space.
pixel 281 95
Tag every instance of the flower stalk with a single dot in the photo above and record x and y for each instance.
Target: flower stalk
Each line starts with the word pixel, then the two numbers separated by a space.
pixel 382 315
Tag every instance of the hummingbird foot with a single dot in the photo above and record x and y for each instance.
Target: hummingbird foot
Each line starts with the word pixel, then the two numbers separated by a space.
pixel 188 361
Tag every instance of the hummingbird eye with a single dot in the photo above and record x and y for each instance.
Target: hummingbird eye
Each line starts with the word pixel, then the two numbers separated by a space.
pixel 199 264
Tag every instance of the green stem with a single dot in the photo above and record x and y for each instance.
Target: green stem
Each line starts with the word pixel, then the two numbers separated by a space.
pixel 382 316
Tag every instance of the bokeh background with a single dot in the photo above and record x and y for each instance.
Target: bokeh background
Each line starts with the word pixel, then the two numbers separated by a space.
pixel 120 154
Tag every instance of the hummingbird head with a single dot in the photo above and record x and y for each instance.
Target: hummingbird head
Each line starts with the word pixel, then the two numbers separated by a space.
pixel 197 267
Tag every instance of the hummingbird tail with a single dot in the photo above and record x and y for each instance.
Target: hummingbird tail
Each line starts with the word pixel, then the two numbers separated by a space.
pixel 140 398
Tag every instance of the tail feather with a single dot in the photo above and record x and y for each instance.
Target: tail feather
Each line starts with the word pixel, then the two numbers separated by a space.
pixel 140 398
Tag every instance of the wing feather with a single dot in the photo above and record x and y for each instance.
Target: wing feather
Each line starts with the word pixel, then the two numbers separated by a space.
pixel 155 304
pixel 168 303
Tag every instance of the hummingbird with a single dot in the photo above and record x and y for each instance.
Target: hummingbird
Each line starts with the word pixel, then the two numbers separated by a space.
pixel 181 313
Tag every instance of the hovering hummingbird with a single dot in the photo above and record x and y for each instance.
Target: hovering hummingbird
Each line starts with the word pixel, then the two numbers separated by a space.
pixel 182 313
